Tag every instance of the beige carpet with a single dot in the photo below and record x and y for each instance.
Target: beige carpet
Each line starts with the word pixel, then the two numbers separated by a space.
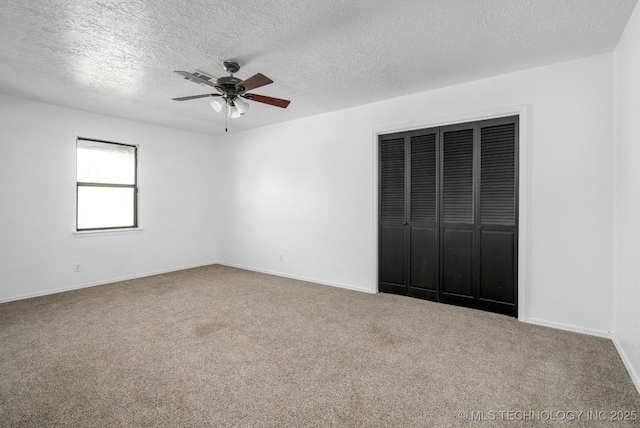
pixel 217 346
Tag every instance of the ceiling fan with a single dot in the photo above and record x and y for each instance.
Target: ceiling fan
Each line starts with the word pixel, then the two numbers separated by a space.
pixel 232 91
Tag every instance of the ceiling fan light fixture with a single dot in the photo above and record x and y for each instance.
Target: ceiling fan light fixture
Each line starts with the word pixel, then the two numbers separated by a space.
pixel 233 113
pixel 218 103
pixel 242 105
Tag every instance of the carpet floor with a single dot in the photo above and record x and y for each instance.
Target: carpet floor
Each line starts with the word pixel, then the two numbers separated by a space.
pixel 224 347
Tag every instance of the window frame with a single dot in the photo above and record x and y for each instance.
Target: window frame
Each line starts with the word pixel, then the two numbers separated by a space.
pixel 133 186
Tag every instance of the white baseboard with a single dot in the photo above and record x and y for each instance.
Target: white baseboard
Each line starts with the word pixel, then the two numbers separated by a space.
pixel 569 327
pixel 93 284
pixel 300 278
pixel 635 376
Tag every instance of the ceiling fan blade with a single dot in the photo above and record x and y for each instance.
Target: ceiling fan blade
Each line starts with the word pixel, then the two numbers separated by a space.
pixel 197 77
pixel 193 97
pixel 278 102
pixel 254 81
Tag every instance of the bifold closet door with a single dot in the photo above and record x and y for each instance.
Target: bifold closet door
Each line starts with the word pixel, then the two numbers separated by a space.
pixel 448 214
pixel 423 214
pixel 496 216
pixel 392 235
pixel 457 229
pixel 478 227
pixel 408 228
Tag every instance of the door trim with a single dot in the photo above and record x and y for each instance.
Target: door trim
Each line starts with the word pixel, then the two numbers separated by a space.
pixel 523 111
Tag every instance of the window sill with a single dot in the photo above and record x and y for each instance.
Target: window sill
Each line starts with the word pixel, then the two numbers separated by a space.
pixel 88 233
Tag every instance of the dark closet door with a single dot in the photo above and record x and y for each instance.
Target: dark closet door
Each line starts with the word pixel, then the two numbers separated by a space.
pixel 392 232
pixel 496 217
pixel 423 214
pixel 408 228
pixel 478 226
pixel 448 214
pixel 457 226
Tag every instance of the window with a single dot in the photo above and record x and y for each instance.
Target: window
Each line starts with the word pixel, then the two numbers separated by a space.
pixel 107 187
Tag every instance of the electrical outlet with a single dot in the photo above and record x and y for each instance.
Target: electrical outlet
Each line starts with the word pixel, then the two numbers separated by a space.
pixel 281 257
pixel 76 267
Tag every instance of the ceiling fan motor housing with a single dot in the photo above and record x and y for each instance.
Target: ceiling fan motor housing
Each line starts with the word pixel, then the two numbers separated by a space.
pixel 227 85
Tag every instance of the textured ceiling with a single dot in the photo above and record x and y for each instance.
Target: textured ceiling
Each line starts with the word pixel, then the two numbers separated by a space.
pixel 118 57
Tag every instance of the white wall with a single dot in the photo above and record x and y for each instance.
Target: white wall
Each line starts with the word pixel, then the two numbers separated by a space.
pixel 303 190
pixel 37 201
pixel 626 322
pixel 306 188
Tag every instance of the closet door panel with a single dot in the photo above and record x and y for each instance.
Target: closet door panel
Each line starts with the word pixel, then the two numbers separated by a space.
pixel 498 175
pixel 424 261
pixel 392 181
pixel 497 279
pixel 423 196
pixel 457 176
pixel 457 262
pixel 392 255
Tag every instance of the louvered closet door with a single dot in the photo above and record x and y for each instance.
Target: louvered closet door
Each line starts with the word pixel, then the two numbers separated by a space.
pixel 497 238
pixel 448 214
pixel 392 235
pixel 457 227
pixel 423 218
